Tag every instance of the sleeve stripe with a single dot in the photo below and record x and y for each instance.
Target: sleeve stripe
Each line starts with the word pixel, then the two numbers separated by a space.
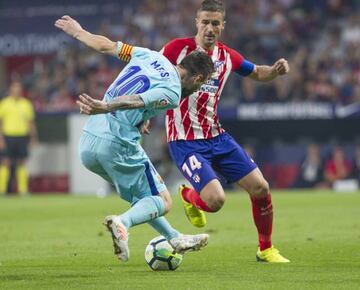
pixel 125 52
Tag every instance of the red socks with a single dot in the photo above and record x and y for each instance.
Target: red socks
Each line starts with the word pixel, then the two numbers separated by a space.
pixel 190 195
pixel 263 217
pixel 262 213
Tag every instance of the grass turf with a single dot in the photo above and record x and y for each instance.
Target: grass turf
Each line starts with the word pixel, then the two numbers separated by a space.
pixel 58 242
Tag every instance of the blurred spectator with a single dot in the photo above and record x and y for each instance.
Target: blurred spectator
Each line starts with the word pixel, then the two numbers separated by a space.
pixel 17 129
pixel 312 169
pixel 320 38
pixel 337 167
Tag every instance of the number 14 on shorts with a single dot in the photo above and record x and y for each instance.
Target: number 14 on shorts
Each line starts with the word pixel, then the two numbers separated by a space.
pixel 194 164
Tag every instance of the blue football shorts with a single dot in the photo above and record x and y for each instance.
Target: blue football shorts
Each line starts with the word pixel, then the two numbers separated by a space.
pixel 199 160
pixel 128 168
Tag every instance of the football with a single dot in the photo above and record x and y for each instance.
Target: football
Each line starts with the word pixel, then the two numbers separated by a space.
pixel 160 255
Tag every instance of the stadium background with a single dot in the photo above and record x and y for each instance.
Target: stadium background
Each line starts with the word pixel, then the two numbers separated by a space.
pixel 319 101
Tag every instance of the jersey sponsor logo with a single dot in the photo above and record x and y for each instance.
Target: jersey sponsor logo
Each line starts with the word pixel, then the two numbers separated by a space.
pixel 211 86
pixel 157 66
pixel 212 82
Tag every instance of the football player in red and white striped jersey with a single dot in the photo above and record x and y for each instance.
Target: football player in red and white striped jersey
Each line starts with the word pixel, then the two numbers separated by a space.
pixel 197 142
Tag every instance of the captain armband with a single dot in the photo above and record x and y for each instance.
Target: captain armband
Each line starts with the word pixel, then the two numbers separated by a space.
pixel 124 51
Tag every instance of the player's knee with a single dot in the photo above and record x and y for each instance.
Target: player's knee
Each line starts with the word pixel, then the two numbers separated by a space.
pixel 215 203
pixel 168 206
pixel 213 195
pixel 167 201
pixel 261 188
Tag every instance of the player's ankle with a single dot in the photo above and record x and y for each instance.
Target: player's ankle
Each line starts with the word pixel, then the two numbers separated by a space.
pixel 264 245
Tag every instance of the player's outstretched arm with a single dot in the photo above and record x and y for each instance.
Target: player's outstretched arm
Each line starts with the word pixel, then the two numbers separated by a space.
pixel 97 42
pixel 266 73
pixel 90 106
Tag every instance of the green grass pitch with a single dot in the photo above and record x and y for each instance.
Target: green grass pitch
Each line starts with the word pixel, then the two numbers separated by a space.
pixel 58 242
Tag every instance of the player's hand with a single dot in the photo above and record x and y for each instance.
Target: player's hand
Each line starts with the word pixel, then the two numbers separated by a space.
pixel 281 66
pixel 68 25
pixel 145 128
pixel 90 106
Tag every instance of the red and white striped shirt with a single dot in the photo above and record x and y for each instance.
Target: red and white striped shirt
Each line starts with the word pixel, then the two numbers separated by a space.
pixel 196 117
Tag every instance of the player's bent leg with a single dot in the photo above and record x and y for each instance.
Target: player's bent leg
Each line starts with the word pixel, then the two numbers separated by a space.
pixel 189 243
pixel 210 199
pixel 197 169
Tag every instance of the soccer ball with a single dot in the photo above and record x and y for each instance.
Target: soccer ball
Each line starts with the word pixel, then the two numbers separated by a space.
pixel 160 255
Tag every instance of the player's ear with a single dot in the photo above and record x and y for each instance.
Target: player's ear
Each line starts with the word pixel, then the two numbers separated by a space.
pixel 199 78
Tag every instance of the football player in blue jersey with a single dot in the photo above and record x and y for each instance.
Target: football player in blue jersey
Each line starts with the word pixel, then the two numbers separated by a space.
pixel 110 146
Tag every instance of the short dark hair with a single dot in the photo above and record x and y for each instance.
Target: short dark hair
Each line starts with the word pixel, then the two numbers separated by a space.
pixel 212 6
pixel 198 62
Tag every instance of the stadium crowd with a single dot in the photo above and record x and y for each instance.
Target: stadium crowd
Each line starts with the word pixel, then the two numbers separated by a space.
pixel 319 38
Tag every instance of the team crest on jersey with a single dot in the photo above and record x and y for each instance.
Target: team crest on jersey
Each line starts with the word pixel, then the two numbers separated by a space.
pixel 161 104
pixel 219 66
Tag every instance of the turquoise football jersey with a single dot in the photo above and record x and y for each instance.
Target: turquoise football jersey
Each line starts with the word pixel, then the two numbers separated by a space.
pixel 150 75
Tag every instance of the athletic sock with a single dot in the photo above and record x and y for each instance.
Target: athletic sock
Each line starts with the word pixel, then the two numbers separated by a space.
pixel 190 195
pixel 263 217
pixel 163 227
pixel 144 210
pixel 4 178
pixel 22 179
